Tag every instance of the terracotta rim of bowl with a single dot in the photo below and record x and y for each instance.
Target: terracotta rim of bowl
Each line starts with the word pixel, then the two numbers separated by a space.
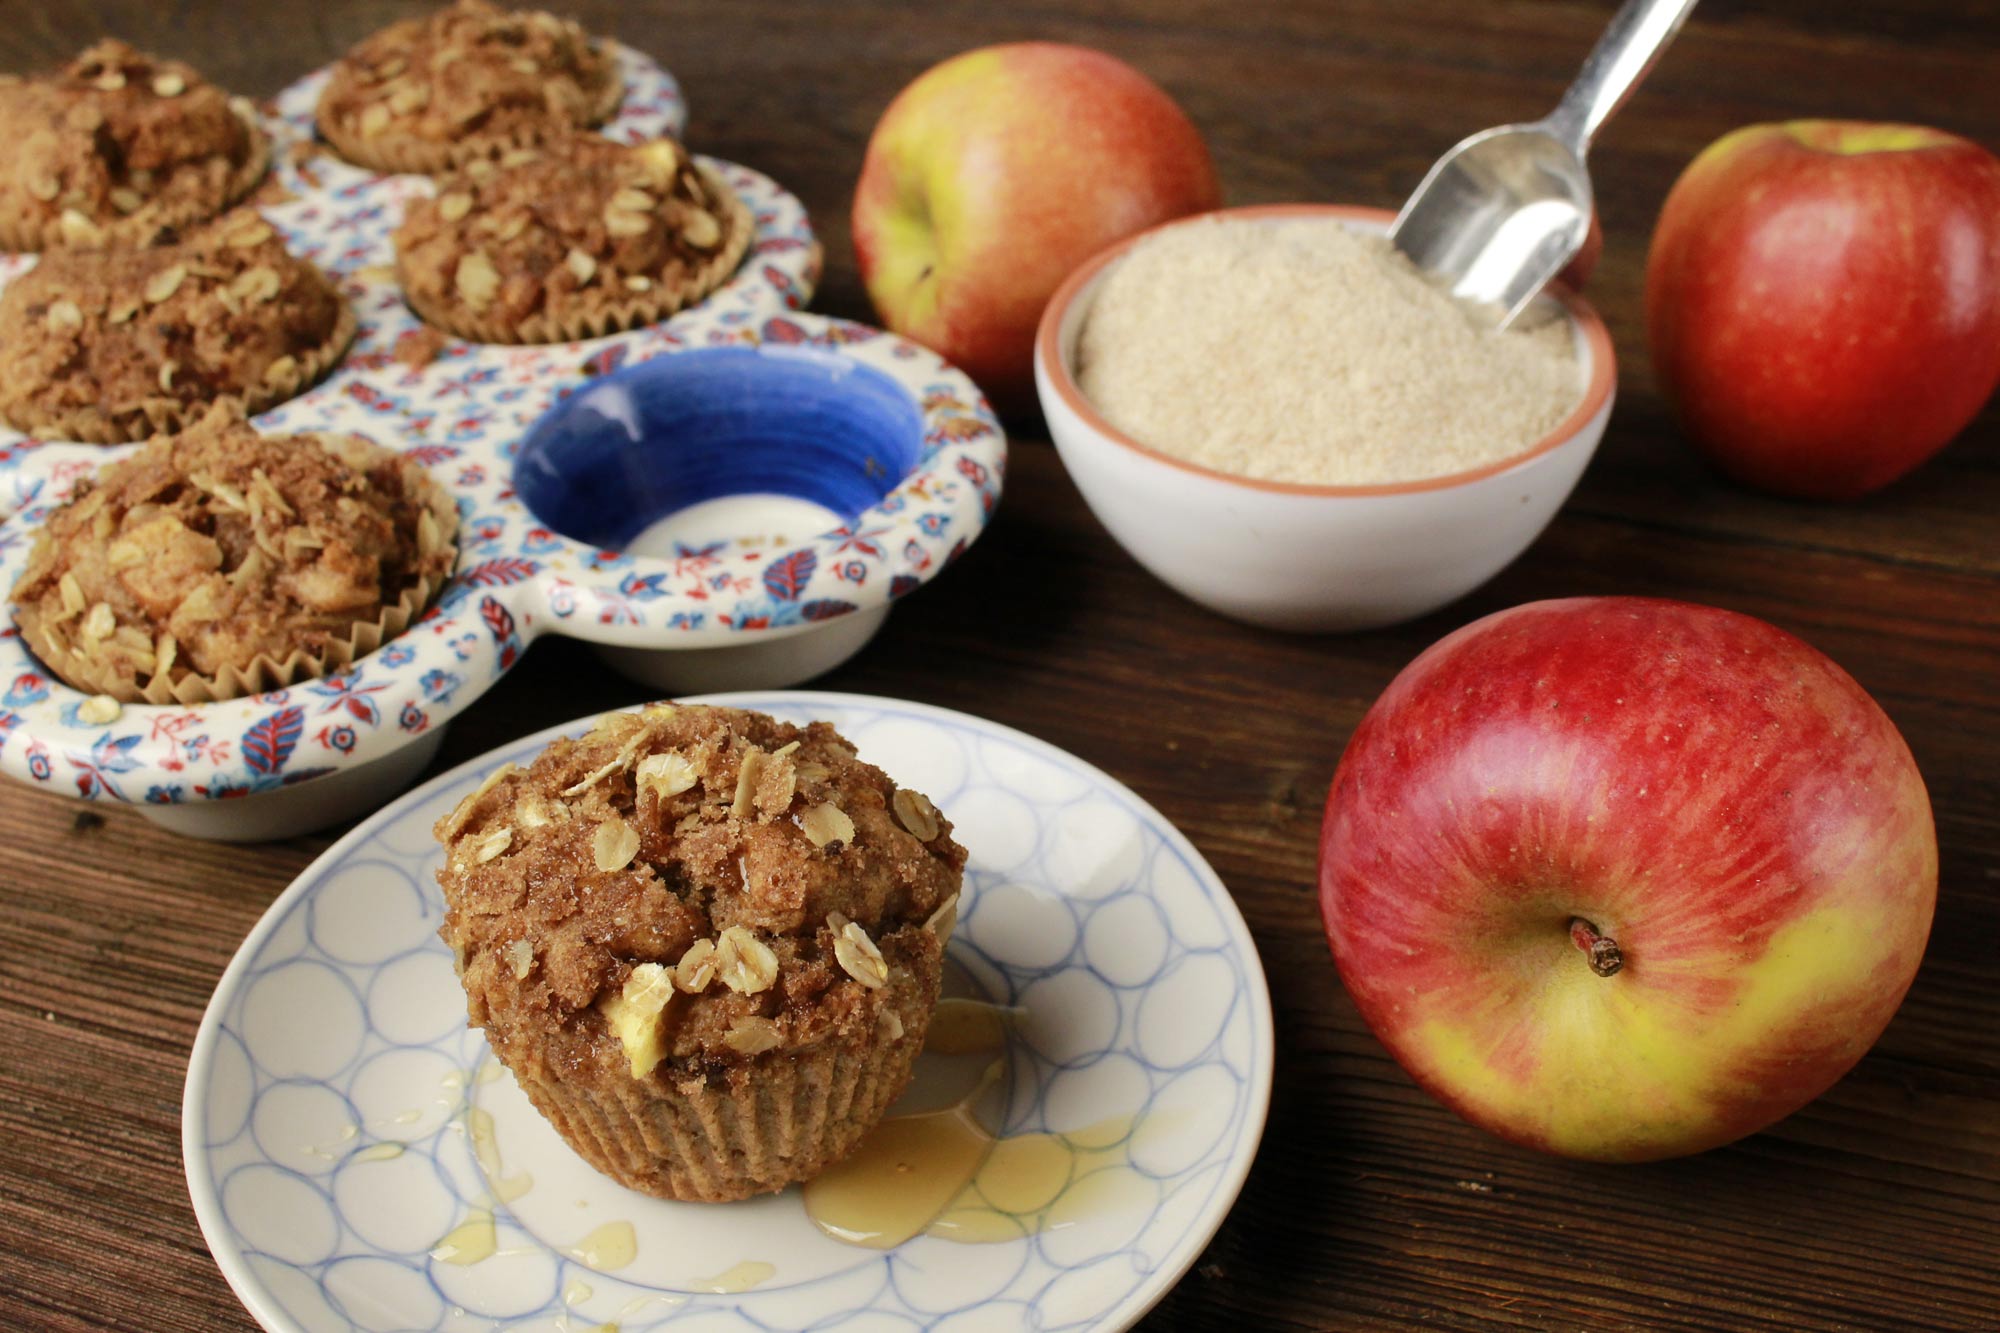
pixel 1048 340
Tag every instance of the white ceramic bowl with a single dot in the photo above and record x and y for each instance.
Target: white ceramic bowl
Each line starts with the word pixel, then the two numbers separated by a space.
pixel 1301 557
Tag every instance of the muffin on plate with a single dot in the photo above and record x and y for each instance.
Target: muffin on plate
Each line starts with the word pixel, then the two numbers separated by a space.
pixel 109 346
pixel 706 943
pixel 220 562
pixel 117 146
pixel 575 240
pixel 469 81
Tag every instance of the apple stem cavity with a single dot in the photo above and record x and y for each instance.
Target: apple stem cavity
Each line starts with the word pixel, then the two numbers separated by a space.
pixel 1601 950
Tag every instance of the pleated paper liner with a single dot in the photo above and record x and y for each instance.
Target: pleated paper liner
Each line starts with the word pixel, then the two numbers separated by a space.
pixel 781 1119
pixel 85 670
pixel 167 416
pixel 630 310
pixel 33 235
pixel 393 153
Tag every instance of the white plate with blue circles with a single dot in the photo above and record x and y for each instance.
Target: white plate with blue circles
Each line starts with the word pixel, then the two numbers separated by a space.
pixel 350 1144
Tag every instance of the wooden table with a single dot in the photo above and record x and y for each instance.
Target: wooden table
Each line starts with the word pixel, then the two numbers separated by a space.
pixel 1371 1206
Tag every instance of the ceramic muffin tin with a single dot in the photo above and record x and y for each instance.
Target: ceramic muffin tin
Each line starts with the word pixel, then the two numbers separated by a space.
pixel 825 469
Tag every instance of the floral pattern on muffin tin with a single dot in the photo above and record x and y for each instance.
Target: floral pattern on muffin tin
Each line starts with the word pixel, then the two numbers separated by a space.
pixel 463 416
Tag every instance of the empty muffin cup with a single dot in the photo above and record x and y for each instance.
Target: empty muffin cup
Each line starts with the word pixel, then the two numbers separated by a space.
pixel 733 478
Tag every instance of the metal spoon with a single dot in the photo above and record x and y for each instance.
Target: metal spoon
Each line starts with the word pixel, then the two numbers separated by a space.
pixel 1504 211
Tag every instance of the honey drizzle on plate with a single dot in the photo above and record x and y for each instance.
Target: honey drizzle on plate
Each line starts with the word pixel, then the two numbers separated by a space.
pixel 939 1172
pixel 738 1278
pixel 943 1173
pixel 475 1238
pixel 610 1247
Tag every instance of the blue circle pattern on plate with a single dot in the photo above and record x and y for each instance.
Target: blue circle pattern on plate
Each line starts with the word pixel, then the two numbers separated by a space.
pixel 348 944
pixel 463 416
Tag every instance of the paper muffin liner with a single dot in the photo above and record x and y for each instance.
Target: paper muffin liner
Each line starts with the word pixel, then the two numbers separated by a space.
pixel 629 311
pixel 33 235
pixel 784 1119
pixel 94 425
pixel 81 670
pixel 408 153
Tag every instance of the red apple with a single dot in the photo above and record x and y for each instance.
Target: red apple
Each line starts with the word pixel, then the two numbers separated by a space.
pixel 1624 879
pixel 994 175
pixel 1823 300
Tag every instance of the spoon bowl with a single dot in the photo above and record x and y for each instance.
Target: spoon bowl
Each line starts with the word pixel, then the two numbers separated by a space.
pixel 1504 211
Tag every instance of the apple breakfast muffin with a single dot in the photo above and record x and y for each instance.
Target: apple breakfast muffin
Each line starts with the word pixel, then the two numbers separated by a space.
pixel 469 81
pixel 577 240
pixel 108 346
pixel 707 943
pixel 116 147
pixel 220 562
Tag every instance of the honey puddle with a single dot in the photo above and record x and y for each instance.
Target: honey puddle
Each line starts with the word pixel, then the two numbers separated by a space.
pixel 943 1173
pixel 471 1241
pixel 607 1249
pixel 938 1171
pixel 969 1027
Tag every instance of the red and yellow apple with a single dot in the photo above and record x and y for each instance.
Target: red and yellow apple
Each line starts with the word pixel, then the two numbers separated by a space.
pixel 1623 879
pixel 995 174
pixel 1823 301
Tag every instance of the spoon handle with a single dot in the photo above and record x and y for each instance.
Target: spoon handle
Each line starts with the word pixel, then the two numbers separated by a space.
pixel 1639 31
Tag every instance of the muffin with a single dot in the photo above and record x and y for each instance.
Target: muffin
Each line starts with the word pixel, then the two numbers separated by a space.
pixel 108 346
pixel 577 240
pixel 117 146
pixel 469 81
pixel 221 562
pixel 706 943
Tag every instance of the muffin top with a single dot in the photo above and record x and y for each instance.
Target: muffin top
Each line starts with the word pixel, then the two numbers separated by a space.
pixel 550 241
pixel 686 888
pixel 117 145
pixel 211 549
pixel 112 345
pixel 468 81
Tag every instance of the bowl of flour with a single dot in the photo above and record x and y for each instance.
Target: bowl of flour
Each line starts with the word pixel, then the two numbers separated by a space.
pixel 1277 415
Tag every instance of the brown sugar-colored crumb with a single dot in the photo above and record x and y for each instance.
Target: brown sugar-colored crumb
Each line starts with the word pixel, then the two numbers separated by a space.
pixel 206 553
pixel 417 348
pixel 118 146
pixel 468 81
pixel 691 912
pixel 576 240
pixel 115 345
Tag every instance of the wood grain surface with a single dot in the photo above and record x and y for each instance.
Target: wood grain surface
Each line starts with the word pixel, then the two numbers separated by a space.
pixel 1370 1206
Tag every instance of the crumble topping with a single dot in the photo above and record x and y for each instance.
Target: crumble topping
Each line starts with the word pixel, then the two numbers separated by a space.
pixel 550 242
pixel 117 344
pixel 116 146
pixel 470 80
pixel 210 549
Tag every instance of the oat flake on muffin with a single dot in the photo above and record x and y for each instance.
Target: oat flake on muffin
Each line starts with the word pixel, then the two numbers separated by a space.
pixel 706 943
pixel 469 81
pixel 576 240
pixel 109 346
pixel 220 562
pixel 116 147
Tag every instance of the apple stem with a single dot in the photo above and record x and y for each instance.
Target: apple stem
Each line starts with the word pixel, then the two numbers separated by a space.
pixel 1602 950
